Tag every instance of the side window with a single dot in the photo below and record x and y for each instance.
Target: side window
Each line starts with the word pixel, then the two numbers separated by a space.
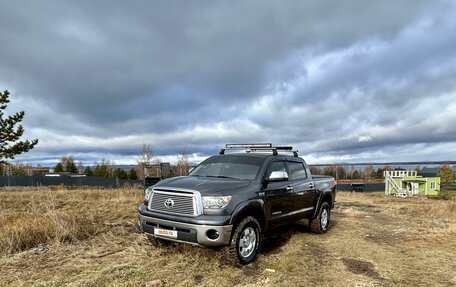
pixel 297 170
pixel 276 166
pixel 432 184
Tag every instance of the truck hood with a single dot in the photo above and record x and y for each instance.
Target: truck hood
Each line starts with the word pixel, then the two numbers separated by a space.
pixel 205 185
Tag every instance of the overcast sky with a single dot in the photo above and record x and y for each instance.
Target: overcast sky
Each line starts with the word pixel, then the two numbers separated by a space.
pixel 342 81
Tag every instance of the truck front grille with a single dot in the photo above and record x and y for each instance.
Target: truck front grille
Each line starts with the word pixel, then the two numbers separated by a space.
pixel 173 202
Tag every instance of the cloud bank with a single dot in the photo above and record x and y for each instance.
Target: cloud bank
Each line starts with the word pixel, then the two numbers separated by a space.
pixel 349 81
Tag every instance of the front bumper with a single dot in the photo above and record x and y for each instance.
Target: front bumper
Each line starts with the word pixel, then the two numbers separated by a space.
pixel 195 234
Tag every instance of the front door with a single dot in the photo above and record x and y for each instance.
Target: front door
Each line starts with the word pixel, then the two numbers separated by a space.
pixel 278 195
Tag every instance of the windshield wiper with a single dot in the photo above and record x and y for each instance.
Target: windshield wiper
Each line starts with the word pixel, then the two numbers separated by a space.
pixel 220 176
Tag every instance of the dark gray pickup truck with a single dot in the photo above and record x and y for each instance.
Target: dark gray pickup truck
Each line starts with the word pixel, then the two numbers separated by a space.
pixel 231 198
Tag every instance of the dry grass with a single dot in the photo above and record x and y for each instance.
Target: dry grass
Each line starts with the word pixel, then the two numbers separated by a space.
pixel 88 238
pixel 36 217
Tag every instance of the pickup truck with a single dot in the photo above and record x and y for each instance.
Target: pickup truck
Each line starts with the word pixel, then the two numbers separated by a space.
pixel 230 199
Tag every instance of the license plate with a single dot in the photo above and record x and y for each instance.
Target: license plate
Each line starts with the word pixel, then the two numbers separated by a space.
pixel 165 232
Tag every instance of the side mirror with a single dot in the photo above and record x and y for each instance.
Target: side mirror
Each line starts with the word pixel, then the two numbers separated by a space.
pixel 278 176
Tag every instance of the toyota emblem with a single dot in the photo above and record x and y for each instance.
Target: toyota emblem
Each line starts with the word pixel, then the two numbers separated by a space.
pixel 169 203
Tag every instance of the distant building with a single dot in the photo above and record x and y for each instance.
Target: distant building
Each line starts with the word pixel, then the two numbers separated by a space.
pixel 39 170
pixel 407 183
pixel 431 171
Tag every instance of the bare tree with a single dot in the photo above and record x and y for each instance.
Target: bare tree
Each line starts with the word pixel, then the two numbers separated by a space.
pixel 368 172
pixel 315 169
pixel 447 174
pixel 81 167
pixel 146 157
pixel 29 169
pixel 183 164
pixel 341 172
pixel 68 164
pixel 352 171
pixel 387 168
pixel 330 170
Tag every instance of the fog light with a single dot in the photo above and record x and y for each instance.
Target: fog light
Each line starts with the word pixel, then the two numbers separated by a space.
pixel 212 234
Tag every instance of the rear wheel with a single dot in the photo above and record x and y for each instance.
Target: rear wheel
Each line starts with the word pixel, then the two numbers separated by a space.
pixel 320 224
pixel 245 241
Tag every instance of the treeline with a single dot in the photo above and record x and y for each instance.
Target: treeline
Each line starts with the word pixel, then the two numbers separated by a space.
pixel 350 172
pixel 16 169
pixel 104 168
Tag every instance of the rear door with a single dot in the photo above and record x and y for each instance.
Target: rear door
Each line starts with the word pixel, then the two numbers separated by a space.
pixel 303 188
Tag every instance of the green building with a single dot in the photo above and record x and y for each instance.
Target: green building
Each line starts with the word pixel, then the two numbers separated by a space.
pixel 408 183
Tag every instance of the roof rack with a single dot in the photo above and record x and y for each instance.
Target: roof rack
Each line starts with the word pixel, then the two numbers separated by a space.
pixel 259 147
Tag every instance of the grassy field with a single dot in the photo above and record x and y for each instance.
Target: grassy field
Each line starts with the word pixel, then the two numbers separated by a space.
pixel 88 237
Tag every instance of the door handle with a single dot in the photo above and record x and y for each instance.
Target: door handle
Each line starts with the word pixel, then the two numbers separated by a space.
pixel 311 185
pixel 290 188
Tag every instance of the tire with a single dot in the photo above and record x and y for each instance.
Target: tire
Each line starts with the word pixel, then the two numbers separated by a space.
pixel 245 241
pixel 321 223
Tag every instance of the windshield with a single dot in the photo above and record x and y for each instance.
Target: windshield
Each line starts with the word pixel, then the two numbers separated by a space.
pixel 236 167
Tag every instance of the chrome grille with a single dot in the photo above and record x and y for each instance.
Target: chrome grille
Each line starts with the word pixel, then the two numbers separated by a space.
pixel 183 203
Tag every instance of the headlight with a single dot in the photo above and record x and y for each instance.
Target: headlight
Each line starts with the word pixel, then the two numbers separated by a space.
pixel 216 201
pixel 147 194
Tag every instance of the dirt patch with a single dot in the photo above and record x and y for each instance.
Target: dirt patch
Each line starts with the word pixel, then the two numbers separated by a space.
pixel 250 270
pixel 319 254
pixel 198 279
pixel 379 219
pixel 383 237
pixel 358 206
pixel 361 267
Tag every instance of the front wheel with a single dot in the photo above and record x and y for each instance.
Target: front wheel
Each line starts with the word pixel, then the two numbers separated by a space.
pixel 246 240
pixel 320 224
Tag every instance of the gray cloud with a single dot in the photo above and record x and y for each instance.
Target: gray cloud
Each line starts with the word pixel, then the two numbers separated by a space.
pixel 338 80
